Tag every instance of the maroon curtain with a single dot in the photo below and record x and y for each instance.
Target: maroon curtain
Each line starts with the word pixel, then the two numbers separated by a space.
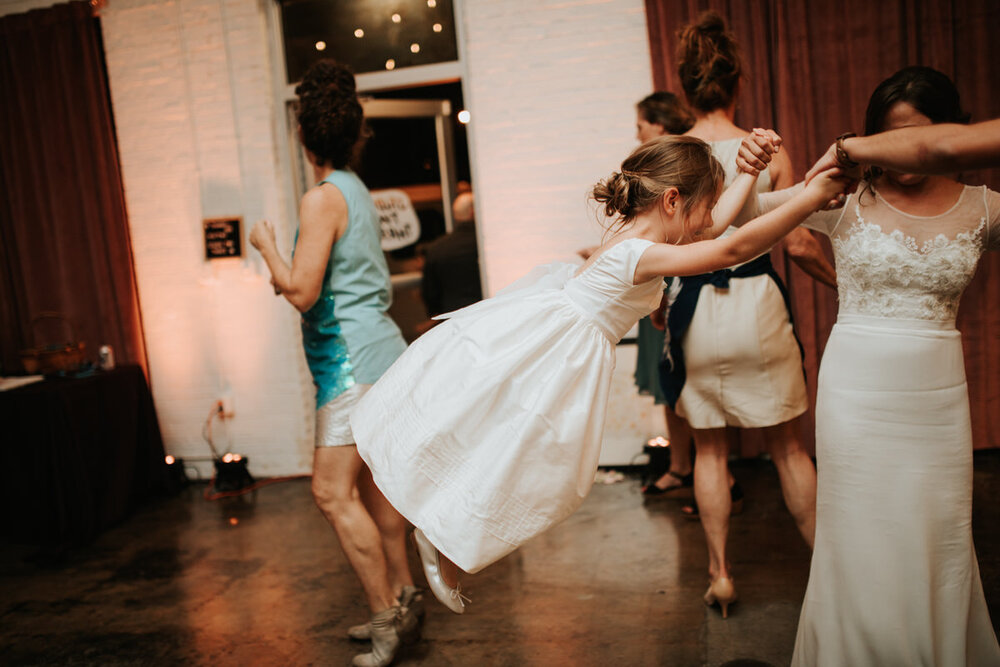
pixel 811 68
pixel 64 241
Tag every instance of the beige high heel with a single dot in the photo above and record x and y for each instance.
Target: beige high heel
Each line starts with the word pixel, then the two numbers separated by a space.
pixel 722 591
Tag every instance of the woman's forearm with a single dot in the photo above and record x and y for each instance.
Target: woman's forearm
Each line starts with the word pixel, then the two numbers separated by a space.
pixel 807 253
pixel 932 149
pixel 281 276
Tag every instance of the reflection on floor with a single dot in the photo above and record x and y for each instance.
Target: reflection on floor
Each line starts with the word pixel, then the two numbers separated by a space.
pixel 259 580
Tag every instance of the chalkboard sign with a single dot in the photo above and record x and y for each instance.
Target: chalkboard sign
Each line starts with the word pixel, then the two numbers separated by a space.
pixel 222 238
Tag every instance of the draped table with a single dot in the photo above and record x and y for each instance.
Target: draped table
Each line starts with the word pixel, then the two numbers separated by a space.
pixel 77 455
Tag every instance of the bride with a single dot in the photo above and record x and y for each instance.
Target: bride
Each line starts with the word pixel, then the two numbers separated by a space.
pixel 894 578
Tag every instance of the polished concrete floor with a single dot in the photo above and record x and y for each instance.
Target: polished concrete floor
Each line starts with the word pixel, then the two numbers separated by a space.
pixel 260 580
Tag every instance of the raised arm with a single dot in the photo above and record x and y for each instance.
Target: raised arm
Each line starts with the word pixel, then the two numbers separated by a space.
pixel 749 241
pixel 932 149
pixel 801 246
pixel 322 219
pixel 731 203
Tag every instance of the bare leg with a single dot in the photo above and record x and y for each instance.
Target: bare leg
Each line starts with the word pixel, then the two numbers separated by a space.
pixel 680 449
pixel 711 492
pixel 392 528
pixel 335 490
pixel 797 474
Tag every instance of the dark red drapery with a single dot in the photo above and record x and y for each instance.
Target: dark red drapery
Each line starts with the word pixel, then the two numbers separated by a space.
pixel 64 239
pixel 812 67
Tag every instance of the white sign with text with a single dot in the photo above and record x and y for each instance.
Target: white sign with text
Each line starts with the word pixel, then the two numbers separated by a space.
pixel 397 219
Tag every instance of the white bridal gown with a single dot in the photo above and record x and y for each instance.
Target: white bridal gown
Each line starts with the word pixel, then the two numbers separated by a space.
pixel 487 430
pixel 894 580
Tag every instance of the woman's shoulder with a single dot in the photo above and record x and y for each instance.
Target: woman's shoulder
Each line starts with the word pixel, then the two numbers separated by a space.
pixel 323 205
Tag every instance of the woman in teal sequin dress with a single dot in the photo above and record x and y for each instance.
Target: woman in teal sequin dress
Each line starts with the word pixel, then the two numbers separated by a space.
pixel 339 280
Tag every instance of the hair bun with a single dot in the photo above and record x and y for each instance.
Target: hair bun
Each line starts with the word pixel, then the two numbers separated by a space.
pixel 709 62
pixel 710 23
pixel 613 193
pixel 343 78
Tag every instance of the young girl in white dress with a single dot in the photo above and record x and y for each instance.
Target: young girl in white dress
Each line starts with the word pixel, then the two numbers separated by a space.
pixel 487 430
pixel 894 579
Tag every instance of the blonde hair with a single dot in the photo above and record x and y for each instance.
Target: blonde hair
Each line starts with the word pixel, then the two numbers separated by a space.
pixel 681 162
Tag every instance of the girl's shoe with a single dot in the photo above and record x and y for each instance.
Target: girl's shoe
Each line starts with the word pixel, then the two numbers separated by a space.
pixel 429 558
pixel 684 482
pixel 735 500
pixel 722 591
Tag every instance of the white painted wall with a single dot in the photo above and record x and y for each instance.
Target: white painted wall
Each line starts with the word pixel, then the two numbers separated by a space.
pixel 551 85
pixel 193 102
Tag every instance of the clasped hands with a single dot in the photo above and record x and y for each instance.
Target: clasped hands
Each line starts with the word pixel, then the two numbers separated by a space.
pixel 760 145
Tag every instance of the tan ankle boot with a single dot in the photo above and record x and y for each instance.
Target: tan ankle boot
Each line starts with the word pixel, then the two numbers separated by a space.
pixel 385 640
pixel 411 622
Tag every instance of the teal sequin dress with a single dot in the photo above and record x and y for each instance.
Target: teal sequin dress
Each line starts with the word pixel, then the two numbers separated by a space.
pixel 348 336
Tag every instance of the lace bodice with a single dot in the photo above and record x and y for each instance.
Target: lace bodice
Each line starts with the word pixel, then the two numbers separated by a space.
pixel 896 265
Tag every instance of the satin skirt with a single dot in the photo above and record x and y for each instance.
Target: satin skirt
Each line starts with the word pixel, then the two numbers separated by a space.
pixel 487 430
pixel 894 579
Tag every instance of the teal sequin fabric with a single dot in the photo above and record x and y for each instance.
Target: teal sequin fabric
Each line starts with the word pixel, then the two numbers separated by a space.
pixel 326 350
pixel 349 337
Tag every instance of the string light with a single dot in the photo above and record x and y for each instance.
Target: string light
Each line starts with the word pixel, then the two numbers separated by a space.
pixel 359 33
pixel 390 64
pixel 437 27
pixel 396 18
pixel 414 48
pixel 432 3
pixel 464 116
pixel 320 46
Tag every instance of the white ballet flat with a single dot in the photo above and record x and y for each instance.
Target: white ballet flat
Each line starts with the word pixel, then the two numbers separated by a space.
pixel 429 558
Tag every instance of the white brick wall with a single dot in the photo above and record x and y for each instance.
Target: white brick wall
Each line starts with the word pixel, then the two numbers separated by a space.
pixel 551 85
pixel 192 96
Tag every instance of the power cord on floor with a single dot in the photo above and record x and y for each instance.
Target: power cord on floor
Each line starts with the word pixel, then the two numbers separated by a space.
pixel 212 495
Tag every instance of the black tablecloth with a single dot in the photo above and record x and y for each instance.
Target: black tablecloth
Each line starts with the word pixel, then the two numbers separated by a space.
pixel 77 455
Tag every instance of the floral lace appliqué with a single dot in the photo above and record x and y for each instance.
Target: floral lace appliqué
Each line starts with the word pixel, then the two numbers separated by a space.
pixel 889 274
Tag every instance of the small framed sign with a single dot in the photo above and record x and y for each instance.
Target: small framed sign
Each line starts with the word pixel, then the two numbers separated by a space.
pixel 223 238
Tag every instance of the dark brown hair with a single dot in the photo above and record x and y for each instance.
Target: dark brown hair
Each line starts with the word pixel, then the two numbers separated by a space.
pixel 685 163
pixel 926 89
pixel 667 110
pixel 709 63
pixel 330 116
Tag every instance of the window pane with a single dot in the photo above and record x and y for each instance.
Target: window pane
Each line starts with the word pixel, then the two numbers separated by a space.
pixel 367 35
